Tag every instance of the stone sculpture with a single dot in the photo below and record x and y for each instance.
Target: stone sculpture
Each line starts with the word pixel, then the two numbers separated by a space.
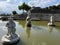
pixel 52 21
pixel 28 19
pixel 11 37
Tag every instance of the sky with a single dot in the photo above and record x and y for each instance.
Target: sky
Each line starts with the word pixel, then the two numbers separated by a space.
pixel 7 6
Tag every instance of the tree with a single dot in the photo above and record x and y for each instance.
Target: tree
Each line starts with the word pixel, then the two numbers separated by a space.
pixel 27 7
pixel 24 7
pixel 14 12
pixel 58 6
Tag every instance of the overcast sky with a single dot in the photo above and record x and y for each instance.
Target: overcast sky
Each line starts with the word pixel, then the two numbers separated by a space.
pixel 7 6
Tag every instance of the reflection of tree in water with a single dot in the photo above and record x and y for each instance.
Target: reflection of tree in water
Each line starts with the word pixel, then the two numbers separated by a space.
pixel 28 31
pixel 50 28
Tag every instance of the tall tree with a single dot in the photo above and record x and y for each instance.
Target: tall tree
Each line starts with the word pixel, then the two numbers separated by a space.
pixel 24 7
pixel 27 7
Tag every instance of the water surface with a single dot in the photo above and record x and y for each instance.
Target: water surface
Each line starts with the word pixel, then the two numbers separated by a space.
pixel 39 34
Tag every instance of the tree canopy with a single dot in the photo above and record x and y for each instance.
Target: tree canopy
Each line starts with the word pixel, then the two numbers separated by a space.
pixel 54 7
pixel 24 7
pixel 14 12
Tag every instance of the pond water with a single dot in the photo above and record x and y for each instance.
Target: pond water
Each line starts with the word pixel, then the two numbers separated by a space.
pixel 39 34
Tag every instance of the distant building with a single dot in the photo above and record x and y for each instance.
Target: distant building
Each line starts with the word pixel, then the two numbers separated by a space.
pixel 35 13
pixel 39 14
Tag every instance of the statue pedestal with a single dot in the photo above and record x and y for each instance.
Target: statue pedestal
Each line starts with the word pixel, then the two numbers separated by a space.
pixel 51 24
pixel 8 39
pixel 28 23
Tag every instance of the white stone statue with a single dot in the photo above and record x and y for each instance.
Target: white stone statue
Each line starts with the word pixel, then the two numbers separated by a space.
pixel 52 21
pixel 11 27
pixel 28 19
pixel 11 37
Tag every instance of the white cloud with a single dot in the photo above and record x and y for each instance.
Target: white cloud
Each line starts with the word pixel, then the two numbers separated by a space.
pixel 57 4
pixel 7 0
pixel 40 3
pixel 2 0
pixel 8 6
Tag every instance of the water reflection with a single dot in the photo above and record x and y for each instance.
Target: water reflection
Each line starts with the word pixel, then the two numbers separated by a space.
pixel 57 27
pixel 20 43
pixel 50 28
pixel 28 31
pixel 38 28
pixel 38 34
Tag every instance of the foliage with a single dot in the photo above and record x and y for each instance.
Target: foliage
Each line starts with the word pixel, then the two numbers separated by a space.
pixel 14 12
pixel 24 7
pixel 54 7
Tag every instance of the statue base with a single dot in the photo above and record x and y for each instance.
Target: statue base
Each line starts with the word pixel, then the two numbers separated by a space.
pixel 8 39
pixel 28 25
pixel 51 24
